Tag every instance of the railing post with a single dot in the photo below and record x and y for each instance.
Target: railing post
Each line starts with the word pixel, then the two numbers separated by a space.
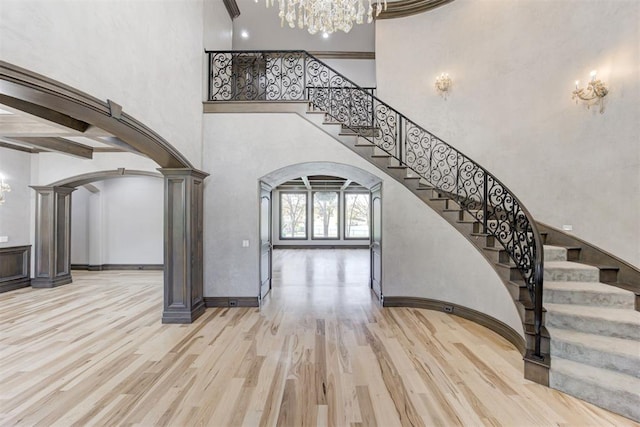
pixel 350 108
pixel 485 204
pixel 304 77
pixel 458 177
pixel 538 276
pixel 209 55
pixel 400 138
pixel 373 119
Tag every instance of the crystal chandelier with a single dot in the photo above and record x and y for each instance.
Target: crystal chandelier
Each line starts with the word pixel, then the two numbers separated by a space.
pixel 327 16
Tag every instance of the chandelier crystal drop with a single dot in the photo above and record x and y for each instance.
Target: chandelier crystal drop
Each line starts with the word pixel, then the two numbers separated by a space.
pixel 327 16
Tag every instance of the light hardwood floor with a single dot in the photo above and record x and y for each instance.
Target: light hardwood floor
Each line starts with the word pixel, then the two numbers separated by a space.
pixel 319 352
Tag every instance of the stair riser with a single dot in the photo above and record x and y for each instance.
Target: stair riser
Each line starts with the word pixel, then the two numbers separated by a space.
pixel 485 241
pixel 544 343
pixel 571 275
pixel 398 174
pixel 555 254
pixel 411 183
pixel 594 299
pixel 593 325
pixel 381 162
pixel 527 314
pixel 439 204
pixel 497 256
pixel 623 403
pixel 615 362
pixel 608 276
pixel 518 293
pixel 459 215
pixel 452 205
pixel 509 273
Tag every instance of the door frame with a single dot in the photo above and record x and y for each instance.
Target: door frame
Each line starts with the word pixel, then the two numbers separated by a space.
pixel 375 189
pixel 265 189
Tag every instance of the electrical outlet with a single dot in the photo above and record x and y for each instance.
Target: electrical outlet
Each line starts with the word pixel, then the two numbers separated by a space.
pixel 448 309
pixel 567 227
pixel 4 239
pixel 233 302
pixel 245 243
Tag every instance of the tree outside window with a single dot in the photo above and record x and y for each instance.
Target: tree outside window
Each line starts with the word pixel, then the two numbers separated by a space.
pixel 293 215
pixel 325 215
pixel 356 215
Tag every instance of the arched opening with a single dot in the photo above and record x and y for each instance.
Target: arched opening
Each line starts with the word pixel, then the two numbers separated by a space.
pixel 320 231
pixel 81 115
pixel 116 220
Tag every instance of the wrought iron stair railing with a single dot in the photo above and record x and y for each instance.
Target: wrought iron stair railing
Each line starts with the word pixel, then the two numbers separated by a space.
pixel 282 76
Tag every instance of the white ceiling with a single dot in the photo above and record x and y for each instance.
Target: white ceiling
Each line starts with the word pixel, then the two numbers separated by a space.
pixel 265 32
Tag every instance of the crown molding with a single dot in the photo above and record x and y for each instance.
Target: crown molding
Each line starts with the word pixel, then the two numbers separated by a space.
pixel 402 8
pixel 343 55
pixel 232 8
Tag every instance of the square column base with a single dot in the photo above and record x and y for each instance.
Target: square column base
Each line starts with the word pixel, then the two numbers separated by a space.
pixel 45 282
pixel 183 316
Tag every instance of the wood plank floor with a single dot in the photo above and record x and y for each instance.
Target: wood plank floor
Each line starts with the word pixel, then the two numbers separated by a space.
pixel 319 352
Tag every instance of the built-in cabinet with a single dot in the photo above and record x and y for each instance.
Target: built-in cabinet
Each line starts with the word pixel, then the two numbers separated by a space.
pixel 15 268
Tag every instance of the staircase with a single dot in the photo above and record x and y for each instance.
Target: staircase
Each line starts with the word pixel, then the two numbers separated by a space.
pixel 466 220
pixel 593 331
pixel 595 335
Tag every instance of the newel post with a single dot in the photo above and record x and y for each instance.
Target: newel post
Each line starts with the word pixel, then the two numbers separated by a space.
pixel 183 254
pixel 53 236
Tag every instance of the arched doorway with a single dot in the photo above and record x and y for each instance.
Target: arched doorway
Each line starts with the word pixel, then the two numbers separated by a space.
pixel 345 175
pixel 73 109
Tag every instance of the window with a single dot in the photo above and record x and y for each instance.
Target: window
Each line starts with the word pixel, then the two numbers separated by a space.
pixel 293 215
pixel 325 215
pixel 356 215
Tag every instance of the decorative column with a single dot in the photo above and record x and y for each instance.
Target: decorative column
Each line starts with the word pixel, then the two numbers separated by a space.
pixel 53 237
pixel 183 254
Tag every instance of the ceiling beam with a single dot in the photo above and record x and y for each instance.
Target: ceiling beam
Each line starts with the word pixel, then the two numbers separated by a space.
pixel 306 182
pixel 59 145
pixel 91 188
pixel 18 148
pixel 44 113
pixel 346 184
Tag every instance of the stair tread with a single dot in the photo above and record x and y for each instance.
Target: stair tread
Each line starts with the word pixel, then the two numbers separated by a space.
pixel 586 287
pixel 552 247
pixel 599 342
pixel 568 265
pixel 602 313
pixel 597 376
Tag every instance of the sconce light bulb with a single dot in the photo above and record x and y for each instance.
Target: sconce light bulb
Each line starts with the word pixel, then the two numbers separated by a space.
pixel 577 83
pixel 593 75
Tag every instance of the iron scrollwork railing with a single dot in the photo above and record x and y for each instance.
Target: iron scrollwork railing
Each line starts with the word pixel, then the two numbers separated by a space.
pixel 298 76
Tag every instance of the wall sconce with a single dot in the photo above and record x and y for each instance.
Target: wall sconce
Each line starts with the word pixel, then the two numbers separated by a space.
pixel 4 188
pixel 593 93
pixel 443 84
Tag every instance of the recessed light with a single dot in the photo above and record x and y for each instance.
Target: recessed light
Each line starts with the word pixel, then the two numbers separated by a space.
pixel 244 34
